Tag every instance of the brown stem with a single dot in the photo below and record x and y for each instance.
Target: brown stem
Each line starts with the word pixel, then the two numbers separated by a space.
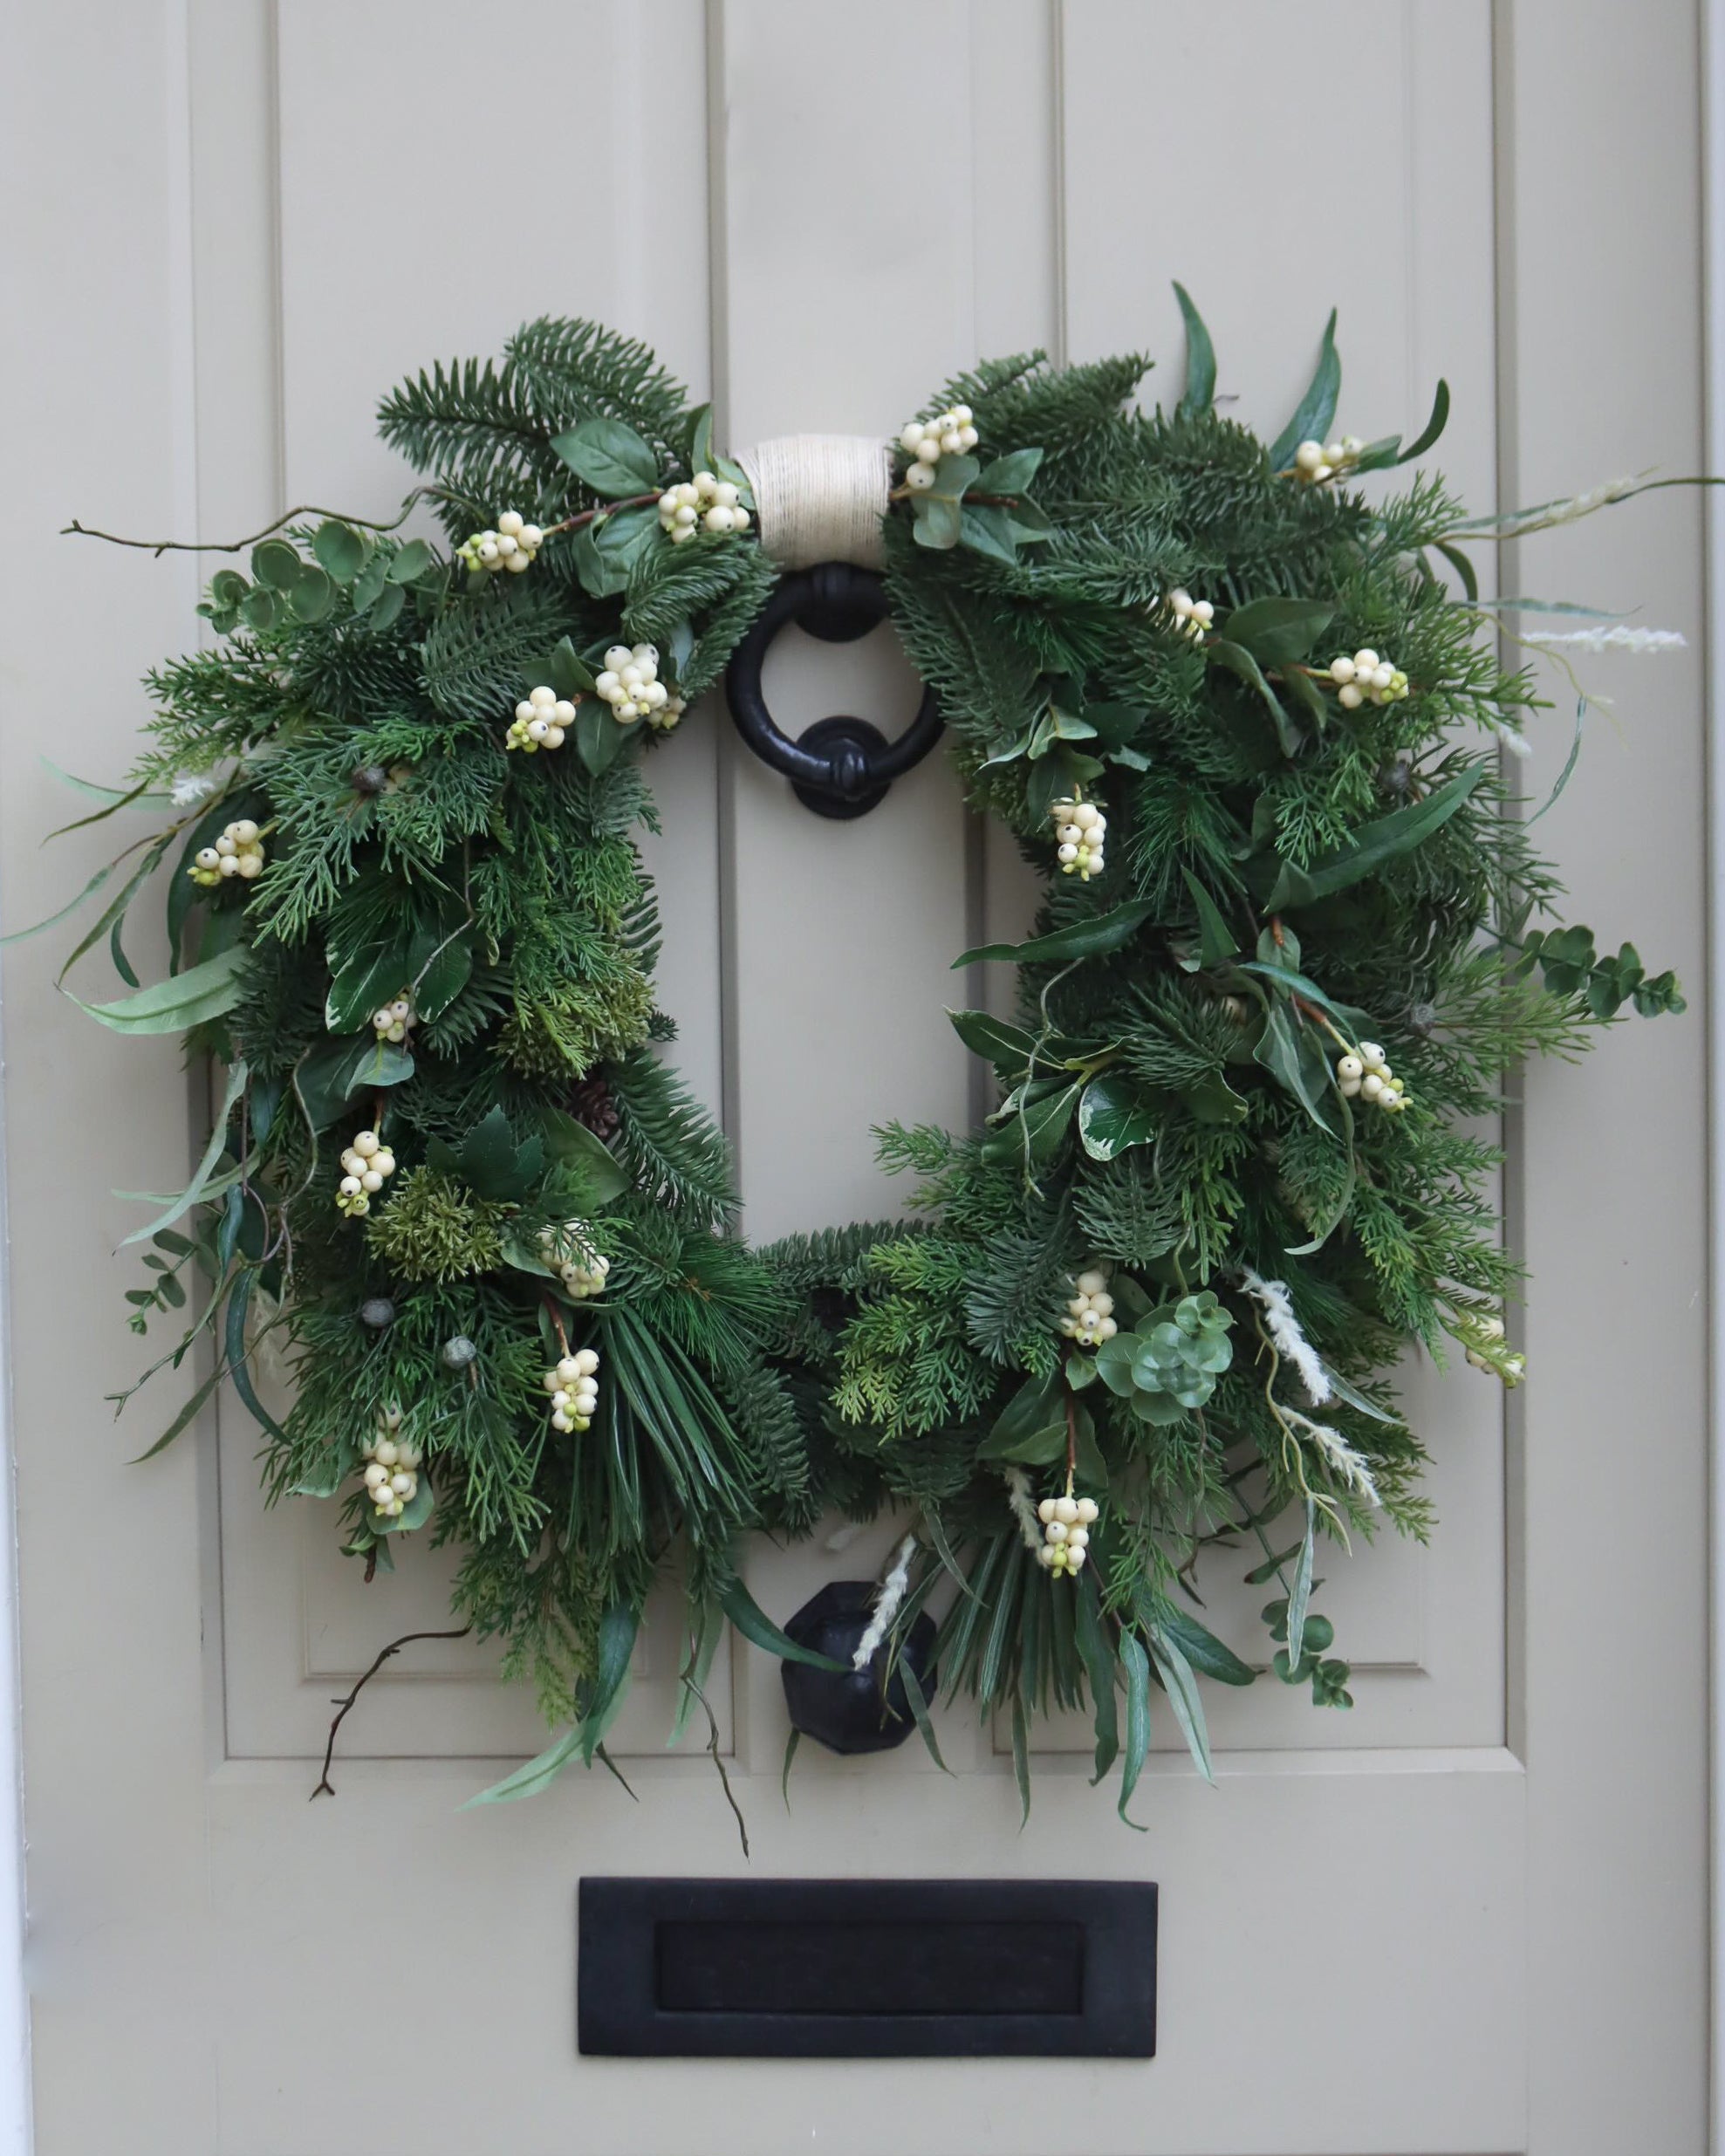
pixel 556 1317
pixel 604 509
pixel 325 1787
pixel 234 546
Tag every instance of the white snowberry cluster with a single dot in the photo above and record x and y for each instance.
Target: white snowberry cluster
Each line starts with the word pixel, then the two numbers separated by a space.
pixel 630 683
pixel 1366 678
pixel 392 1482
pixel 1192 617
pixel 582 1275
pixel 1365 1076
pixel 1313 461
pixel 703 503
pixel 365 1166
pixel 1488 1331
pixel 1066 1522
pixel 541 721
pixel 1090 1314
pixel 511 546
pixel 238 851
pixel 1080 827
pixel 926 442
pixel 573 1387
pixel 395 1020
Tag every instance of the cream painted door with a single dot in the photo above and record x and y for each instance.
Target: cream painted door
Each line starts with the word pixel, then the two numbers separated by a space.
pixel 1469 1916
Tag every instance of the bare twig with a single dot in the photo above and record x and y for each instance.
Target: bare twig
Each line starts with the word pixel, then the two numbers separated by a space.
pixel 344 1707
pixel 234 546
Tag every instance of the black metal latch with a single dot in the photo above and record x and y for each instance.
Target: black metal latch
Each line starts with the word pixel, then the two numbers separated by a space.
pixel 841 766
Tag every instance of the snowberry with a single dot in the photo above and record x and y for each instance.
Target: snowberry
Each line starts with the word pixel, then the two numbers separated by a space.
pixel 511 546
pixel 703 503
pixel 1081 827
pixel 1090 1313
pixel 1192 617
pixel 366 1165
pixel 926 442
pixel 573 1386
pixel 1366 678
pixel 1363 1074
pixel 1315 462
pixel 238 851
pixel 541 721
pixel 1065 1530
pixel 630 684
pixel 395 1020
pixel 391 1461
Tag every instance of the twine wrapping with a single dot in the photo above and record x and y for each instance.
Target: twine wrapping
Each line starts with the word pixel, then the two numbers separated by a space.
pixel 820 497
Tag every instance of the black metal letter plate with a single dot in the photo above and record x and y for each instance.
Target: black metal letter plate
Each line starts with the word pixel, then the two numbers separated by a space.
pixel 867 1968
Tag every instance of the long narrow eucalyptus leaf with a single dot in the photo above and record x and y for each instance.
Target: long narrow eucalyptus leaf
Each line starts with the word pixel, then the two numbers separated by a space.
pixel 1135 1663
pixel 752 1621
pixel 195 1190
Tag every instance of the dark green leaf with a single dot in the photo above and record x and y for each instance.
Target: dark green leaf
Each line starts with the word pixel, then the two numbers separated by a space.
pixel 1433 428
pixel 572 1144
pixel 1084 939
pixel 1202 1648
pixel 1007 1047
pixel 1201 359
pixel 610 458
pixel 570 675
pixel 752 1621
pixel 1289 1052
pixel 1216 941
pixel 1113 1116
pixel 1317 409
pixel 1222 652
pixel 599 738
pixel 1374 843
pixel 1135 1665
pixel 258 609
pixel 1278 631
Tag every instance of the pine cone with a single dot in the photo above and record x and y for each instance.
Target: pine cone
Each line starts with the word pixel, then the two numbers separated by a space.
pixel 590 1103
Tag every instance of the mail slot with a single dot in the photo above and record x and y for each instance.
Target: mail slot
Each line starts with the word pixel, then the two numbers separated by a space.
pixel 864 1968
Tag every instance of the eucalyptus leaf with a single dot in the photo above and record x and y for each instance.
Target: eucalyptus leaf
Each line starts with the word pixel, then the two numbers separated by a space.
pixel 1310 421
pixel 1373 844
pixel 1084 939
pixel 339 549
pixel 1201 359
pixel 184 999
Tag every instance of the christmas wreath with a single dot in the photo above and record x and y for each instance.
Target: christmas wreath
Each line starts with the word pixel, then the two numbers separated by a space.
pixel 1248 719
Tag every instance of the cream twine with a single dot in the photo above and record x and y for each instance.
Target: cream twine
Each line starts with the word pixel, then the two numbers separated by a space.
pixel 820 497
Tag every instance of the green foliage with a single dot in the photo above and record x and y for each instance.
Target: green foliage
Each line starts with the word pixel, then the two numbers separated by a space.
pixel 1175 1206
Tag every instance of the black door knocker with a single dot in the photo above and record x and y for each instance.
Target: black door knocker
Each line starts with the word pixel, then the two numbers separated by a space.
pixel 841 766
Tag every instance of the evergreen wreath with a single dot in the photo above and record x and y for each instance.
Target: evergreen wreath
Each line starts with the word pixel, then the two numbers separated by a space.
pixel 1152 1306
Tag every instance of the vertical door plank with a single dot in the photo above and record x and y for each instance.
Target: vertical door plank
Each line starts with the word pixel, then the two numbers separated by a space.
pixel 1602 353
